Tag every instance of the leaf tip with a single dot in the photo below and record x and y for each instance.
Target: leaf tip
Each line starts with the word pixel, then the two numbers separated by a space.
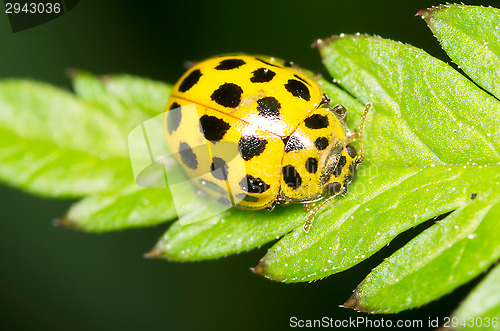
pixel 353 303
pixel 318 43
pixel 423 13
pixel 64 221
pixel 322 43
pixel 155 253
pixel 427 14
pixel 73 73
pixel 261 269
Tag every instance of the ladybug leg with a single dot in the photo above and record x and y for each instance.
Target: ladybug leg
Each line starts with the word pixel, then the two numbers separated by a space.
pixel 271 206
pixel 325 100
pixel 281 199
pixel 340 110
pixel 308 205
pixel 308 223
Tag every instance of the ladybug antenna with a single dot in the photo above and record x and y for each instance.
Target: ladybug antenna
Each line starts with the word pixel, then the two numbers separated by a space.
pixel 368 107
pixel 308 223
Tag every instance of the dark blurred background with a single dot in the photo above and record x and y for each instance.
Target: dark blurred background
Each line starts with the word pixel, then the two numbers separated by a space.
pixel 59 279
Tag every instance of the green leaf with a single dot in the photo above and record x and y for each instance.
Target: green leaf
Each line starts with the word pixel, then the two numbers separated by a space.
pixel 445 256
pixel 428 152
pixel 46 169
pixel 426 112
pixel 471 37
pixel 127 208
pixel 230 232
pixel 129 99
pixel 54 145
pixel 196 236
pixel 482 306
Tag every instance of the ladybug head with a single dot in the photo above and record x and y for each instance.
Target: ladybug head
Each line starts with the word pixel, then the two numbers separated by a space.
pixel 318 158
pixel 339 158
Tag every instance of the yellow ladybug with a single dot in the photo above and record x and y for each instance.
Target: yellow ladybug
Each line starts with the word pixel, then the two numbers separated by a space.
pixel 292 144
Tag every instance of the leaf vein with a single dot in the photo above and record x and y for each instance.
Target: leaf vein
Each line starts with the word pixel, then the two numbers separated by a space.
pixel 457 118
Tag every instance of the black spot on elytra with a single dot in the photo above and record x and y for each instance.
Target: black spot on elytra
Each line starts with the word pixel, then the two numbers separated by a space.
pixel 212 186
pixel 174 117
pixel 229 64
pixel 316 121
pixel 250 146
pixel 334 188
pixel 321 143
pixel 298 89
pixel 351 150
pixel 214 128
pixel 247 198
pixel 291 176
pixel 269 107
pixel 219 168
pixel 340 165
pixel 227 95
pixel 268 63
pixel 312 165
pixel 253 185
pixel 187 156
pixel 288 64
pixel 174 105
pixel 190 80
pixel 292 143
pixel 262 75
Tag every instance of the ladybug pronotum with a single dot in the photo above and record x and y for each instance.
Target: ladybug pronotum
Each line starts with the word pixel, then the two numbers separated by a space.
pixel 294 144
